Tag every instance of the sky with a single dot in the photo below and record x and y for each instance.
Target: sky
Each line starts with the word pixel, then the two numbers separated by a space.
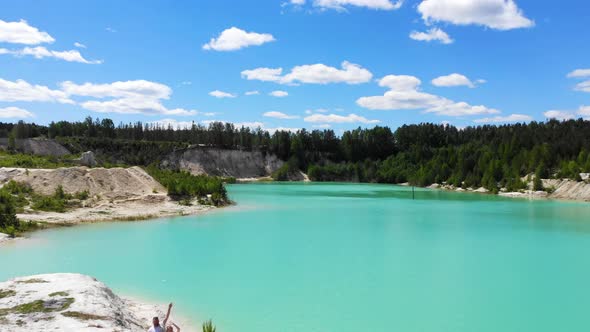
pixel 291 64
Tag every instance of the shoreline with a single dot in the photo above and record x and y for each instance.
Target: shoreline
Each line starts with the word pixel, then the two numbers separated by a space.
pixel 129 211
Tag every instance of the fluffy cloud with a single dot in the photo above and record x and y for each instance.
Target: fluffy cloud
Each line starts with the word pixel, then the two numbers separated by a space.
pixel 506 119
pixel 434 34
pixel 341 4
pixel 221 94
pixel 559 115
pixel 583 86
pixel 280 115
pixel 15 113
pixel 79 45
pixel 334 118
pixel 40 52
pixel 279 93
pixel 313 74
pixel 252 93
pixel 579 73
pixel 173 123
pixel 21 90
pixel 233 39
pixel 495 14
pixel 318 110
pixel 22 33
pixel 583 112
pixel 129 97
pixel 404 94
pixel 452 80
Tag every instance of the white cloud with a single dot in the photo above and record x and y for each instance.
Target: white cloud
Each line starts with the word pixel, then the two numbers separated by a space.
pixel 495 14
pixel 15 113
pixel 404 94
pixel 109 29
pixel 234 39
pixel 341 4
pixel 186 83
pixel 313 74
pixel 79 45
pixel 453 80
pixel 279 93
pixel 175 124
pixel 22 33
pixel 559 115
pixel 280 115
pixel 506 119
pixel 433 34
pixel 583 112
pixel 579 73
pixel 40 52
pixel 275 129
pixel 21 90
pixel 334 118
pixel 252 93
pixel 221 94
pixel 583 86
pixel 317 110
pixel 129 97
pixel 297 2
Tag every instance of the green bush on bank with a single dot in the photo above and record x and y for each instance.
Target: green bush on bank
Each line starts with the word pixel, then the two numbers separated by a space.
pixel 60 201
pixel 20 160
pixel 182 185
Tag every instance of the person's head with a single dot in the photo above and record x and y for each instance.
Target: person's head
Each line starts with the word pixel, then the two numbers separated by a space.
pixel 169 329
pixel 156 321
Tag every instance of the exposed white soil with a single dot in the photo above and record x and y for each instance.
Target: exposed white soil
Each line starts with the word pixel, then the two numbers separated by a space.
pixel 71 302
pixel 234 163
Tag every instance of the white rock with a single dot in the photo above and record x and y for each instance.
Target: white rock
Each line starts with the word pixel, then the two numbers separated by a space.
pixel 70 293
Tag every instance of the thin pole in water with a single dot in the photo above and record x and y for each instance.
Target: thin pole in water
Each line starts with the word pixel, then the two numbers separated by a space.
pixel 412 192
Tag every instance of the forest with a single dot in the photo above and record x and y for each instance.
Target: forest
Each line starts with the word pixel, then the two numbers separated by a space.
pixel 491 156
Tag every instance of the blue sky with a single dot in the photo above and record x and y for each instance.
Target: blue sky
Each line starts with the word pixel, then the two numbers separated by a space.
pixel 345 63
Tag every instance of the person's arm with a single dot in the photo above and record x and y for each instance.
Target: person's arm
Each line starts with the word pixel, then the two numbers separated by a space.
pixel 177 327
pixel 167 314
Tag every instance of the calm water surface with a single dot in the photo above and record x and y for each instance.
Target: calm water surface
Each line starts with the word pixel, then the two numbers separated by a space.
pixel 343 258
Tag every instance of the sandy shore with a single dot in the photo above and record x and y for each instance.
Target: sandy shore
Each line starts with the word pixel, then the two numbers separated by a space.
pixel 147 207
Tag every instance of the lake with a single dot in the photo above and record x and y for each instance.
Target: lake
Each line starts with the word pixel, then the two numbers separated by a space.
pixel 342 258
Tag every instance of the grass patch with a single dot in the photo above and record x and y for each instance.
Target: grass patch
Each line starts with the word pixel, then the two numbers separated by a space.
pixel 60 201
pixel 83 315
pixel 21 160
pixel 59 294
pixel 33 281
pixel 6 293
pixel 42 306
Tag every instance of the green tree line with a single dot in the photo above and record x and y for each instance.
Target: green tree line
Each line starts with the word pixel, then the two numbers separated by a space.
pixel 491 156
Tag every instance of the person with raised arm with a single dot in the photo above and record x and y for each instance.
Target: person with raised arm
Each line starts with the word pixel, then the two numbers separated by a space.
pixel 156 322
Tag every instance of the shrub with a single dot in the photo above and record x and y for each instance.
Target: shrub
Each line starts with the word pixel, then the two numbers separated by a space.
pixel 208 326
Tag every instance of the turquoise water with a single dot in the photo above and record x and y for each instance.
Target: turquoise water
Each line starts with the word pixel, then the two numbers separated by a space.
pixel 343 258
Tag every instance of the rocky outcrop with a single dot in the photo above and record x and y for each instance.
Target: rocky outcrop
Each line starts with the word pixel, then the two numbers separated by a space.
pixel 235 163
pixel 37 146
pixel 568 189
pixel 69 302
pixel 87 159
pixel 108 183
